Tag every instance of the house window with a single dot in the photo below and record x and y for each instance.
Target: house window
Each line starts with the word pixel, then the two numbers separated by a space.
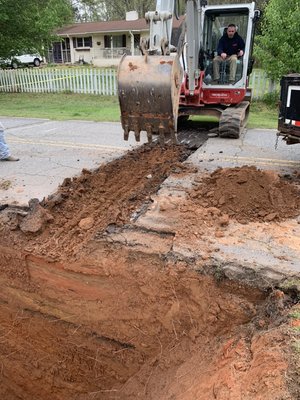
pixel 83 41
pixel 137 39
pixel 65 44
pixel 117 41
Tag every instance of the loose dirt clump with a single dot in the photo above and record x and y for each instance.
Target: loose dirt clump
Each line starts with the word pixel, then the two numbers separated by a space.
pixel 248 194
pixel 5 184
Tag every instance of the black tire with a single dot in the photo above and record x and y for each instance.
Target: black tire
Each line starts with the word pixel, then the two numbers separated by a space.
pixel 14 65
pixel 36 62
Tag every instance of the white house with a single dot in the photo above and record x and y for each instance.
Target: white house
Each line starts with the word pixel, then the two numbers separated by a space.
pixel 102 43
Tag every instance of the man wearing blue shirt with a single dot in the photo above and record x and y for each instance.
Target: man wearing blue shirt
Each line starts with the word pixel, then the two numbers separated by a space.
pixel 230 47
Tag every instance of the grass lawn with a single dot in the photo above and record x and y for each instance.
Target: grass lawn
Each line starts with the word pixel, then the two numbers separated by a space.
pixel 60 106
pixel 263 115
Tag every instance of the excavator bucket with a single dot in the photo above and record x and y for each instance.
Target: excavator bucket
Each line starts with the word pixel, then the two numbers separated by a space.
pixel 148 88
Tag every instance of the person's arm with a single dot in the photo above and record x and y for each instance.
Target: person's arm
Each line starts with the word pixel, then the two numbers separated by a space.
pixel 220 50
pixel 241 47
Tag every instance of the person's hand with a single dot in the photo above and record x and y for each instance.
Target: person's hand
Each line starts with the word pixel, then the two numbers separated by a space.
pixel 223 55
pixel 240 53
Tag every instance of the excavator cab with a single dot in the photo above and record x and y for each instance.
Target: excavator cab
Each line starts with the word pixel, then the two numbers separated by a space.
pixel 215 26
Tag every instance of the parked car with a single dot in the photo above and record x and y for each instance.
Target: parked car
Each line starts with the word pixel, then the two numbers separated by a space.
pixel 22 61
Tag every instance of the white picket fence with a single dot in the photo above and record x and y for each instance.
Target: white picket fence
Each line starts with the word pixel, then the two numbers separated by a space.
pixel 48 80
pixel 90 81
pixel 262 85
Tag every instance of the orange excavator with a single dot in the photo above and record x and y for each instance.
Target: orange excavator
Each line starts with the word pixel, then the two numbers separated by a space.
pixel 159 87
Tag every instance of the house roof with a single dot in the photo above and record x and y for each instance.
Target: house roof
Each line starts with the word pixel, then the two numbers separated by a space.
pixel 108 26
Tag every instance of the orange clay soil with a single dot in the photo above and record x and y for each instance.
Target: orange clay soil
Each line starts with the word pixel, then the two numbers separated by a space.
pixel 84 318
pixel 248 194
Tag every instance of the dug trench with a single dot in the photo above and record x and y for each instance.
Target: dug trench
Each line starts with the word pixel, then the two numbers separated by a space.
pixel 94 305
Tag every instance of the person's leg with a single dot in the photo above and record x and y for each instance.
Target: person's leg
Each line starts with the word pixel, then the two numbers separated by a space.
pixel 216 68
pixel 4 150
pixel 232 67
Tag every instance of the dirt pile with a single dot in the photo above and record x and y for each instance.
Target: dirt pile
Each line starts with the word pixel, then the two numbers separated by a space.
pixel 248 194
pixel 87 204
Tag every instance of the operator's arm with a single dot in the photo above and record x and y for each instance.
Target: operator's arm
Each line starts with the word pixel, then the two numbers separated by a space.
pixel 220 49
pixel 241 47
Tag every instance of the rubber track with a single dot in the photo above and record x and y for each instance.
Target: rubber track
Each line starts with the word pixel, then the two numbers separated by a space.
pixel 233 120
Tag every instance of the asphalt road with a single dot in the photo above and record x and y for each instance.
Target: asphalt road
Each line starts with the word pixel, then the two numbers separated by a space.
pixel 51 151
pixel 259 147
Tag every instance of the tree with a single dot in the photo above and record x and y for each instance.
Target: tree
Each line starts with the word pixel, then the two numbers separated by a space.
pixel 99 10
pixel 278 47
pixel 89 10
pixel 117 9
pixel 28 25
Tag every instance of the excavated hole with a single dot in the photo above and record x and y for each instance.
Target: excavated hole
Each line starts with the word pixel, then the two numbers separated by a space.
pixel 123 325
pixel 82 318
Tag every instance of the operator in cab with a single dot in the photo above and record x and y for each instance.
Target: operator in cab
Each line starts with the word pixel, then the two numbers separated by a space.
pixel 230 47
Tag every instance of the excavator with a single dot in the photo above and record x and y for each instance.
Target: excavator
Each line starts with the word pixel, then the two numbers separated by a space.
pixel 160 87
